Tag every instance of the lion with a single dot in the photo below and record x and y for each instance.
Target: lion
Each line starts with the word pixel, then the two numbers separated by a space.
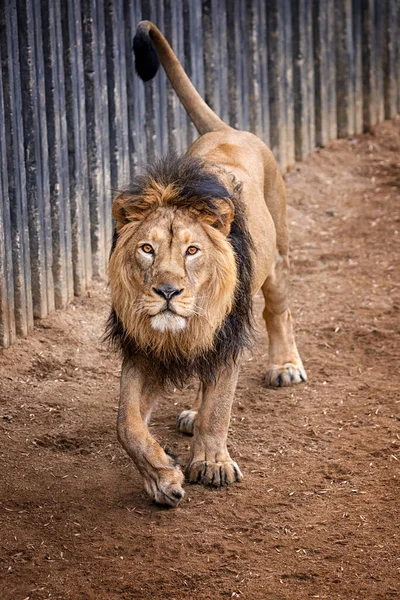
pixel 196 237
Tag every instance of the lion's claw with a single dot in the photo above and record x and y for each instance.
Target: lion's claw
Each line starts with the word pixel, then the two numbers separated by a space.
pixel 285 375
pixel 216 474
pixel 186 420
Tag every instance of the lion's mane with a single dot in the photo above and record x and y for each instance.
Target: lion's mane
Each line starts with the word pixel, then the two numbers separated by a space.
pixel 189 183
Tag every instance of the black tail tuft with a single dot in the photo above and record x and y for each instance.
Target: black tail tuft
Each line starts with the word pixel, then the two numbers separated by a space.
pixel 146 57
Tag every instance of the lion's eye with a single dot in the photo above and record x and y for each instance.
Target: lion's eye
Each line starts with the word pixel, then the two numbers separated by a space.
pixel 192 250
pixel 147 249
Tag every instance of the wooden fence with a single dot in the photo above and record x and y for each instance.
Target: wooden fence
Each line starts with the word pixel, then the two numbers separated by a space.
pixel 76 123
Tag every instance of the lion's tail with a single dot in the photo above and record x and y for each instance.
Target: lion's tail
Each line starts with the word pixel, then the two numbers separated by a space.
pixel 151 47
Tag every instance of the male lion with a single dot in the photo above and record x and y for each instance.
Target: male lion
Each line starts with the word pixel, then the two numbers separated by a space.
pixel 196 237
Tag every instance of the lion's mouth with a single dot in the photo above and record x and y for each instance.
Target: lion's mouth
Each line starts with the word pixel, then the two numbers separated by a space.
pixel 168 320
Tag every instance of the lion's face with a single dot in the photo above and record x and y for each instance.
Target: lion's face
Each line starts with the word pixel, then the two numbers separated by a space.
pixel 172 280
pixel 169 260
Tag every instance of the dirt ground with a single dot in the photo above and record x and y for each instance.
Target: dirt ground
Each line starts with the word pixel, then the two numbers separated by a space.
pixel 317 514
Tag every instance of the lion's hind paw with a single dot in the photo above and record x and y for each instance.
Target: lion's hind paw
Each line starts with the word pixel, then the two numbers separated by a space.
pixel 186 420
pixel 285 375
pixel 216 474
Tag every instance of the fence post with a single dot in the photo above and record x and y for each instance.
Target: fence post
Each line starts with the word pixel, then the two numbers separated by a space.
pixel 303 80
pixel 97 132
pixel 192 58
pixel 77 144
pixel 391 67
pixel 14 138
pixel 277 59
pixel 325 71
pixel 7 317
pixel 344 68
pixel 117 96
pixel 173 27
pixel 58 153
pixel 36 157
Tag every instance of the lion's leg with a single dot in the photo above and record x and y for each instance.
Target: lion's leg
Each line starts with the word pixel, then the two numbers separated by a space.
pixel 186 420
pixel 161 475
pixel 284 363
pixel 209 461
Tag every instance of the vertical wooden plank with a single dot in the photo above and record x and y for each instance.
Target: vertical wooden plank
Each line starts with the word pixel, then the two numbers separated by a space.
pixel 254 67
pixel 357 76
pixel 117 96
pixel 192 58
pixel 36 158
pixel 75 112
pixel 210 89
pixel 276 80
pixel 243 58
pixel 322 68
pixel 221 56
pixel 58 153
pixel 151 95
pixel 397 53
pixel 344 68
pixel 161 87
pixel 173 20
pixel 262 33
pixel 378 56
pixel 14 138
pixel 7 317
pixel 303 78
pixel 233 66
pixel 288 81
pixel 97 132
pixel 390 66
pixel 137 128
pixel 370 110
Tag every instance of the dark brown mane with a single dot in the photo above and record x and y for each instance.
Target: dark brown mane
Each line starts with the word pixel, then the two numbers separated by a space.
pixel 192 183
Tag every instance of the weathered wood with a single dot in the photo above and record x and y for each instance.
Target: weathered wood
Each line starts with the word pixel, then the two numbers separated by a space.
pixel 58 176
pixel 117 93
pixel 172 31
pixel 371 76
pixel 192 58
pixel 36 157
pixel 74 85
pixel 391 67
pixel 14 137
pixel 357 76
pixel 137 130
pixel 288 83
pixel 151 95
pixel 324 71
pixel 256 50
pixel 276 80
pixel 303 79
pixel 7 316
pixel 97 132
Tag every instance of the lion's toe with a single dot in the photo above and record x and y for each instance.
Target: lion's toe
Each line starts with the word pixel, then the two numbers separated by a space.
pixel 285 375
pixel 186 420
pixel 216 474
pixel 166 489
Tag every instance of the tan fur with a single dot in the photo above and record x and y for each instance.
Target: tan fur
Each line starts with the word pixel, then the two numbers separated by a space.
pixel 207 296
pixel 207 302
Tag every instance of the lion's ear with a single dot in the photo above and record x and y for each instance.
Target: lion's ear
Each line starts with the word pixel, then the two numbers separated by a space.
pixel 128 208
pixel 218 212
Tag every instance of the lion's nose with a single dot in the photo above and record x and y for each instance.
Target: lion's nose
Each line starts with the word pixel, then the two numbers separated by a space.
pixel 167 291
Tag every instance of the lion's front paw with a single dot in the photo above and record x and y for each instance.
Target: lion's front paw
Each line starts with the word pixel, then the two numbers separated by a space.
pixel 165 486
pixel 186 420
pixel 285 375
pixel 216 474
